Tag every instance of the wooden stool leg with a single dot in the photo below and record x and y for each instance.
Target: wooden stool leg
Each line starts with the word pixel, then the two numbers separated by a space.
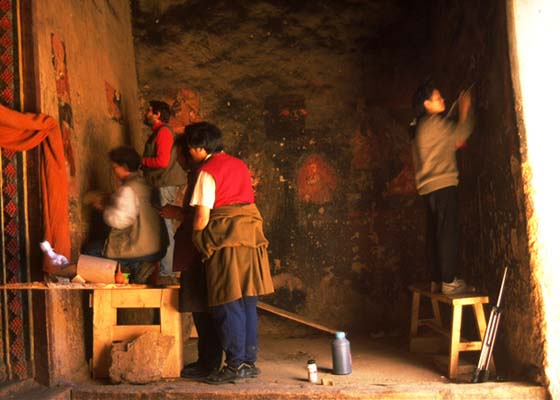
pixel 414 314
pixel 481 323
pixel 437 314
pixel 415 310
pixel 455 340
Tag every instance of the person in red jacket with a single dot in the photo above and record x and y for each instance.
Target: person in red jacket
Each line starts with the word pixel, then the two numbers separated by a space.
pixel 228 233
pixel 160 167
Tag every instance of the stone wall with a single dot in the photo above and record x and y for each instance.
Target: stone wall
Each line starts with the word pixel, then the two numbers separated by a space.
pixel 315 96
pixel 471 47
pixel 87 78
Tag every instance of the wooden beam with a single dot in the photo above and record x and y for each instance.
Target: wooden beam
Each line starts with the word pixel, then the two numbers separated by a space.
pixel 294 317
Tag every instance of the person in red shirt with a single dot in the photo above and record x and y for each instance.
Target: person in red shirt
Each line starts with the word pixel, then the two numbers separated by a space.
pixel 228 233
pixel 160 167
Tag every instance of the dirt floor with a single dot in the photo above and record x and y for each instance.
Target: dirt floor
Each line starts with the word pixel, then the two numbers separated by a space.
pixel 382 368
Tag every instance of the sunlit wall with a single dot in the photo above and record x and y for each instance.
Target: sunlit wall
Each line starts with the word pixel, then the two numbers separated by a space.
pixel 535 28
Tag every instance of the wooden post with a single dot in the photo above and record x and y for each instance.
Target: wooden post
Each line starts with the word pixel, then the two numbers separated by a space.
pixel 455 340
pixel 171 325
pixel 104 318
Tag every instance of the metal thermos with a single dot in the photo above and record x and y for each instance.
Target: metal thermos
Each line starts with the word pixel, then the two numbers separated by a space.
pixel 341 355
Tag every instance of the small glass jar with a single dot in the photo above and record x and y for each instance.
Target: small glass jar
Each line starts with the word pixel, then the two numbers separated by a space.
pixel 312 375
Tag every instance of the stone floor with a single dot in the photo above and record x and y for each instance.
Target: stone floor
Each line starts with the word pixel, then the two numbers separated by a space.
pixel 382 369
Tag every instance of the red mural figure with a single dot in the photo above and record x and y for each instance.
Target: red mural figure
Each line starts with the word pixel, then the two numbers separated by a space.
pixel 186 109
pixel 403 183
pixel 316 180
pixel 66 119
pixel 363 149
pixel 114 103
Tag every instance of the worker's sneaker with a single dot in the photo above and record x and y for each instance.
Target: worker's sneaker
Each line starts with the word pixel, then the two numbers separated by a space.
pixel 196 370
pixel 457 286
pixel 435 287
pixel 225 375
pixel 248 370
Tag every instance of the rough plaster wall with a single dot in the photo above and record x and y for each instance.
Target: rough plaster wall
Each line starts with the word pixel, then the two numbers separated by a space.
pixel 332 182
pixel 471 46
pixel 347 248
pixel 98 51
pixel 98 47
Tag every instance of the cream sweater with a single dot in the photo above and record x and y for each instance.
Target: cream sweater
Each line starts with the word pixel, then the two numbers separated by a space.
pixel 433 152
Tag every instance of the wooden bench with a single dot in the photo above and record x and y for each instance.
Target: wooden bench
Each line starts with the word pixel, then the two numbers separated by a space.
pixel 453 334
pixel 105 303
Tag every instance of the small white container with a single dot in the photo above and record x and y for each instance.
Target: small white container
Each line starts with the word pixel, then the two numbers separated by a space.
pixel 312 375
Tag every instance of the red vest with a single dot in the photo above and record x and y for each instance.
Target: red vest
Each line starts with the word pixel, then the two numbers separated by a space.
pixel 233 180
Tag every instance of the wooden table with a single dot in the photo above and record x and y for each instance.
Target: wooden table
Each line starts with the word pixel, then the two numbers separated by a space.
pixel 105 299
pixel 105 303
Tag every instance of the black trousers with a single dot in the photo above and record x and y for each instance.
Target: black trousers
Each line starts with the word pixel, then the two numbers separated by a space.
pixel 209 348
pixel 442 233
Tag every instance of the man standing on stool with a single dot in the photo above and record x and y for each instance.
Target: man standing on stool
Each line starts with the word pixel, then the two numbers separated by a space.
pixel 160 167
pixel 435 140
pixel 228 232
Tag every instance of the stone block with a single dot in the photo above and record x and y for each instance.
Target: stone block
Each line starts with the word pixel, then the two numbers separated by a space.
pixel 141 360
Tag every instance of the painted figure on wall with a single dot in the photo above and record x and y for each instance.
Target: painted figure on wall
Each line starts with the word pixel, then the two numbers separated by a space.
pixel 186 109
pixel 316 180
pixel 403 184
pixel 114 103
pixel 66 119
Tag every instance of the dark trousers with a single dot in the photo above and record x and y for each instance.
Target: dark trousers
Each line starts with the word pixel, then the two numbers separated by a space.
pixel 442 233
pixel 236 323
pixel 95 248
pixel 209 348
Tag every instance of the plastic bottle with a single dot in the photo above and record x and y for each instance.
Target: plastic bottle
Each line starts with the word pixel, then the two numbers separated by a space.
pixel 312 375
pixel 341 355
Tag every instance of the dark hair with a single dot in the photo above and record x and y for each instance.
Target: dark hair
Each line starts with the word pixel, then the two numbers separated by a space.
pixel 127 157
pixel 162 108
pixel 204 135
pixel 423 93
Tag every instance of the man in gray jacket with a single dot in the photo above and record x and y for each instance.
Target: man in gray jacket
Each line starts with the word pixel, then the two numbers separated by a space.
pixel 160 167
pixel 137 233
pixel 435 140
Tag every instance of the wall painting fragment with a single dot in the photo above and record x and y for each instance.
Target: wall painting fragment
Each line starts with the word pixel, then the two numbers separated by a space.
pixel 316 180
pixel 66 119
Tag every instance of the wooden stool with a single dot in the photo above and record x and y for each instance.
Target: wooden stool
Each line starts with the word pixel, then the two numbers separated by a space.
pixel 105 329
pixel 456 345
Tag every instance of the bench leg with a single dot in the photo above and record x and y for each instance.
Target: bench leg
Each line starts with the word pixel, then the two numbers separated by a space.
pixel 170 323
pixel 414 314
pixel 437 314
pixel 455 340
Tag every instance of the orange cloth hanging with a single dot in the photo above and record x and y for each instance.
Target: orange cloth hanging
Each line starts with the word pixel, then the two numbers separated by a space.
pixel 22 132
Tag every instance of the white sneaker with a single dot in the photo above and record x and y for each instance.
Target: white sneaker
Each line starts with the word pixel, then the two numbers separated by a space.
pixel 458 286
